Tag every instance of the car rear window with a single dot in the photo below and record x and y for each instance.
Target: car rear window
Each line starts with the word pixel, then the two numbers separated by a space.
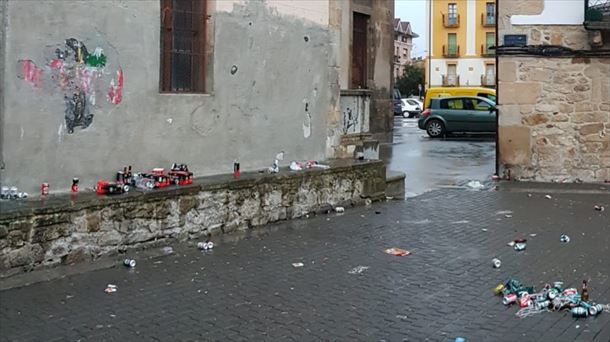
pixel 452 104
pixel 488 96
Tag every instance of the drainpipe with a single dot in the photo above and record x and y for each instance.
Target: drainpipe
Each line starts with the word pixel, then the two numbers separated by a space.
pixel 497 94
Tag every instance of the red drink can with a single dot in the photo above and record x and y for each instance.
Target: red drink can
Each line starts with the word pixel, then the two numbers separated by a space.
pixel 236 172
pixel 525 301
pixel 44 189
pixel 569 292
pixel 74 185
pixel 509 299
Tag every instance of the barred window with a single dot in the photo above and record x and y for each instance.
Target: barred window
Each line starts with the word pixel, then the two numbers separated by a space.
pixel 183 46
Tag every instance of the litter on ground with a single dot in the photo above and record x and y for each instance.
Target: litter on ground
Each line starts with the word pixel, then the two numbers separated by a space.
pixel 297 264
pixel 358 269
pixel 110 288
pixel 397 251
pixel 475 185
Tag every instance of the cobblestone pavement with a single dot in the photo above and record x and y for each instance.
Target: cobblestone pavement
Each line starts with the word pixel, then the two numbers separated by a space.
pixel 247 288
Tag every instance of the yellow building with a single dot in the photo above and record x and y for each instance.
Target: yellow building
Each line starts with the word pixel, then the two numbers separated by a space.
pixel 460 34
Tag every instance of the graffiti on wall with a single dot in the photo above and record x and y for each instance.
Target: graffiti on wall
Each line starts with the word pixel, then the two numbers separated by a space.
pixel 350 120
pixel 79 75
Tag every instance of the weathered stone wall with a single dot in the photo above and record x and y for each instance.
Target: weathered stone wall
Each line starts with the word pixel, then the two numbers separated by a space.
pixel 554 113
pixel 66 230
pixel 555 118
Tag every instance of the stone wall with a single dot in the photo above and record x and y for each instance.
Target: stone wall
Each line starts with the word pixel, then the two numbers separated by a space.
pixel 554 113
pixel 67 229
pixel 555 118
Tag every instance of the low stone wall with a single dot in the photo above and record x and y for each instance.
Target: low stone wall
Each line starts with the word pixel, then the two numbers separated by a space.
pixel 67 229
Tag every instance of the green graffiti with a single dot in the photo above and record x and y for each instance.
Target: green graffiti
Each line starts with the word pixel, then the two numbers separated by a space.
pixel 96 61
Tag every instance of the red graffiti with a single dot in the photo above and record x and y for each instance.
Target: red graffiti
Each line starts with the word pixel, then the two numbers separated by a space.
pixel 31 73
pixel 115 92
pixel 56 64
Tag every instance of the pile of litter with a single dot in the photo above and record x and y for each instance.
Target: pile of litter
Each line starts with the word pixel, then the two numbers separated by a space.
pixel 551 298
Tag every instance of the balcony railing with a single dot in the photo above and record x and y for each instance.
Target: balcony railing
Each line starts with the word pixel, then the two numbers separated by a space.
pixel 488 80
pixel 451 21
pixel 486 51
pixel 597 15
pixel 451 80
pixel 451 51
pixel 488 21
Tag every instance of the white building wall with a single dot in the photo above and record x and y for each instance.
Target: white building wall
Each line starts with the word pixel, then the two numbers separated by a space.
pixel 564 12
pixel 468 77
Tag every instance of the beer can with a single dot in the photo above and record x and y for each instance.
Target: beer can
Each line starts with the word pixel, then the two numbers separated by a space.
pixel 570 291
pixel 596 309
pixel 74 185
pixel 552 293
pixel 236 172
pixel 525 301
pixel 496 262
pixel 120 177
pixel 509 299
pixel 558 285
pixel 44 189
pixel 203 245
pixel 498 289
pixel 579 312
pixel 129 262
pixel 4 192
pixel 542 305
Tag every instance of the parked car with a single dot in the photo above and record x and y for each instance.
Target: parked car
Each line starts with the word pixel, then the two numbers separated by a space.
pixel 458 91
pixel 396 102
pixel 458 114
pixel 410 108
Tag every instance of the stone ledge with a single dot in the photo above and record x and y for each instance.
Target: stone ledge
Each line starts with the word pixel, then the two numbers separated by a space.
pixel 66 229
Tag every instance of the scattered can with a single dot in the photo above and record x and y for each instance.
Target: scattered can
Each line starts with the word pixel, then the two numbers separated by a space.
pixel 120 176
pixel 205 245
pixel 74 187
pixel 558 285
pixel 579 312
pixel 4 192
pixel 596 309
pixel 44 189
pixel 519 246
pixel 570 292
pixel 564 238
pixel 340 210
pixel 509 299
pixel 236 172
pixel 498 289
pixel 129 262
pixel 496 262
pixel 542 305
pixel 599 208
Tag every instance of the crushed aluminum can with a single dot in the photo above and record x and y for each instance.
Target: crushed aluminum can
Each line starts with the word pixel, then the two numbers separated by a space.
pixel 570 292
pixel 579 312
pixel 498 289
pixel 509 299
pixel 129 262
pixel 205 245
pixel 4 192
pixel 519 246
pixel 496 262
pixel 558 285
pixel 110 288
pixel 525 300
pixel 548 197
pixel 512 243
pixel 599 208
pixel 564 238
pixel 339 210
pixel 542 305
pixel 596 309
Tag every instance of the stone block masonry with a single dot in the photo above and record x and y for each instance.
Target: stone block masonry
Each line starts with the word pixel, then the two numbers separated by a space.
pixel 554 118
pixel 67 229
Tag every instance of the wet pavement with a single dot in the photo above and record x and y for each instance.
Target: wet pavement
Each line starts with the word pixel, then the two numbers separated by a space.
pixel 247 289
pixel 433 163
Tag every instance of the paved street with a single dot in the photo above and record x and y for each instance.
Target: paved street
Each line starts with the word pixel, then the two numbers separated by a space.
pixel 430 163
pixel 247 288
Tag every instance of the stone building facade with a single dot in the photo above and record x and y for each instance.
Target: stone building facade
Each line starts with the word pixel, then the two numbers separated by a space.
pixel 553 94
pixel 403 45
pixel 91 86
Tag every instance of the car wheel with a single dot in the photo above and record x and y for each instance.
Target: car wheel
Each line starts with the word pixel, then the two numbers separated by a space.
pixel 435 128
pixel 405 114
